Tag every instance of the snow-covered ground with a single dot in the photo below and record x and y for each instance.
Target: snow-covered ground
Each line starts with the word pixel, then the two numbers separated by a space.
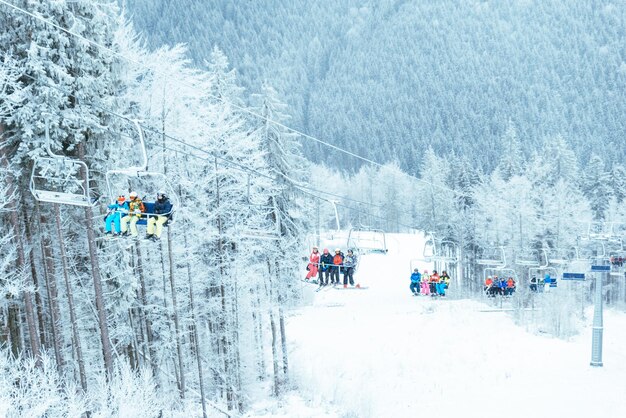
pixel 384 353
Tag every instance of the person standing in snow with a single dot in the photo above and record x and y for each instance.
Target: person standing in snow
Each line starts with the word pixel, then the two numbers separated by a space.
pixel 326 261
pixel 349 265
pixel 416 278
pixel 314 261
pixel 335 270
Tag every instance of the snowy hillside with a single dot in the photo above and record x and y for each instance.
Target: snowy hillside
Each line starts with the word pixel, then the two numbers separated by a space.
pixel 384 353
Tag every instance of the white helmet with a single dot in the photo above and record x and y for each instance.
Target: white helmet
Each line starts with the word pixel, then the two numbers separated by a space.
pixel 133 195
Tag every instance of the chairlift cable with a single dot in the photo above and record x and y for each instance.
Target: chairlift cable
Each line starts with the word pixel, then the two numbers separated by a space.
pixel 225 101
pixel 234 164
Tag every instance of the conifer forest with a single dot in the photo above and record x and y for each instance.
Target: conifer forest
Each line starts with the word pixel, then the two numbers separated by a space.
pixel 266 125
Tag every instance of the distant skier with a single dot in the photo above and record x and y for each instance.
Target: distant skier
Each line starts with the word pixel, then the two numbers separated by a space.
pixel 488 288
pixel 161 216
pixel 349 265
pixel 335 270
pixel 314 261
pixel 502 286
pixel 326 261
pixel 433 282
pixel 425 283
pixel 510 286
pixel 416 278
pixel 135 209
pixel 533 284
pixel 444 279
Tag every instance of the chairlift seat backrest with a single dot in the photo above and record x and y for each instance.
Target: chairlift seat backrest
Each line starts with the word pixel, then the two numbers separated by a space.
pixel 150 212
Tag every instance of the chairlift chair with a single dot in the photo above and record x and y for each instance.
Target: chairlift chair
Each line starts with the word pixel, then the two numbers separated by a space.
pixel 446 253
pixel 141 174
pixel 599 231
pixel 370 241
pixel 492 256
pixel 430 250
pixel 500 272
pixel 535 271
pixel 557 256
pixel 60 179
pixel 591 250
pixel 527 257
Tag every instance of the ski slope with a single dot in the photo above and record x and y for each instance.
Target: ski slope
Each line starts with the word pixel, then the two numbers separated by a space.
pixel 384 353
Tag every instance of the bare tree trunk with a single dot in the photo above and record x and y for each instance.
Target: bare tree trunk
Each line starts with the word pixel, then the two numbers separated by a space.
pixel 97 283
pixel 21 257
pixel 225 344
pixel 283 339
pixel 257 317
pixel 175 313
pixel 33 272
pixel 146 314
pixel 70 301
pixel 135 344
pixel 195 334
pixel 13 324
pixel 275 361
pixel 281 316
pixel 53 296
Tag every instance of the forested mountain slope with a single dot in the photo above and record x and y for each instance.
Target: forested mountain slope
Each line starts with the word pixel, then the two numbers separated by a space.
pixel 386 78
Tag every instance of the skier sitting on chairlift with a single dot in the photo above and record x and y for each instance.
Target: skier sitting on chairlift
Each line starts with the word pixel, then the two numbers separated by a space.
pixel 416 277
pixel 488 288
pixel 163 212
pixel 114 215
pixel 135 208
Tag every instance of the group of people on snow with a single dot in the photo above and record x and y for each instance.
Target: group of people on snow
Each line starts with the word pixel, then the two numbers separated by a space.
pixel 124 214
pixel 499 286
pixel 327 266
pixel 434 284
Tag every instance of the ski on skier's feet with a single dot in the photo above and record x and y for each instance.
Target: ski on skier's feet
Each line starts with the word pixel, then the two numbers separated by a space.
pixel 357 287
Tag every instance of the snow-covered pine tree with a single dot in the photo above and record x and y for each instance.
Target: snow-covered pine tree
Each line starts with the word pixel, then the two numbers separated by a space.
pixel 287 214
pixel 512 160
pixel 596 187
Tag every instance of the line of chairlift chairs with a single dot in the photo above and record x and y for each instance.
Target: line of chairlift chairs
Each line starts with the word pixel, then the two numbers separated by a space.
pixel 64 180
pixel 600 243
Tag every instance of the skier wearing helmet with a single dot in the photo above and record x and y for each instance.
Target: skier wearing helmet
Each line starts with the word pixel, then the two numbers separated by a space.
pixel 349 265
pixel 314 261
pixel 335 269
pixel 114 215
pixel 136 208
pixel 326 261
pixel 416 277
pixel 163 212
pixel 425 285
